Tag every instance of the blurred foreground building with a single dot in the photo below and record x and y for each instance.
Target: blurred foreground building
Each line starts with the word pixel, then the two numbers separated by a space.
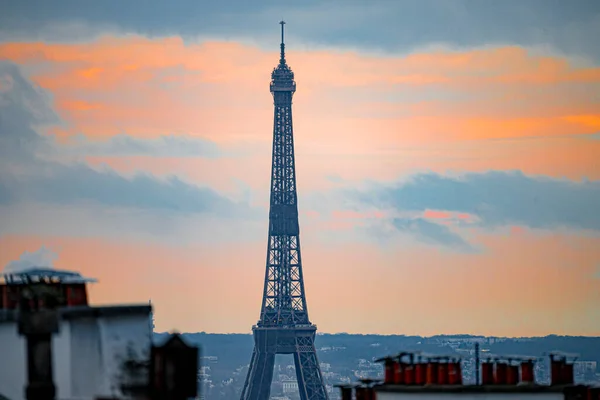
pixel 91 349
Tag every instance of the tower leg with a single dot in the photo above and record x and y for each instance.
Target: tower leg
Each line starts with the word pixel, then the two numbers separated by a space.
pixel 260 375
pixel 308 371
pixel 245 389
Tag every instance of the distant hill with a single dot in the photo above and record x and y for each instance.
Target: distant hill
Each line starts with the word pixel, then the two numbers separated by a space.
pixel 234 350
pixel 227 355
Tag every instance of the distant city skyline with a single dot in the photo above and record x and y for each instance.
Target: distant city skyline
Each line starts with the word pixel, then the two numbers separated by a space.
pixel 446 155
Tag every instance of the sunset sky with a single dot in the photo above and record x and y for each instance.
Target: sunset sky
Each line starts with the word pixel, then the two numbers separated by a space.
pixel 447 154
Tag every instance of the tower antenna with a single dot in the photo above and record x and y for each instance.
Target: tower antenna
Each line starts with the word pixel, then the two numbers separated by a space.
pixel 282 59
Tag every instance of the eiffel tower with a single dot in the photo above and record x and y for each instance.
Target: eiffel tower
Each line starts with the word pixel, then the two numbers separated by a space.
pixel 283 327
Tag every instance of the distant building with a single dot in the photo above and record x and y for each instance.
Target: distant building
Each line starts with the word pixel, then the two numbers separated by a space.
pixel 585 366
pixel 290 386
pixel 91 346
pixel 325 366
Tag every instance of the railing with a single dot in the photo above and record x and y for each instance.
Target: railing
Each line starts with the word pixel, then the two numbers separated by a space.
pixel 282 88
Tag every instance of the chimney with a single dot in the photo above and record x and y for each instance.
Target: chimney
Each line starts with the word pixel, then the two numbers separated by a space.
pixel 527 375
pixel 367 390
pixel 420 373
pixel 487 373
pixel 555 371
pixel 409 373
pixel 512 374
pixel 500 373
pixel 443 373
pixel 361 393
pixel 370 393
pixel 561 371
pixel 459 375
pixel 346 392
pixel 432 372
pixel 454 373
pixel 566 374
pixel 390 366
pixel 398 372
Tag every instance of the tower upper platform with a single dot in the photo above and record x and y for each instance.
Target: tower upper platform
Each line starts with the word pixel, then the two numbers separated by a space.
pixel 282 77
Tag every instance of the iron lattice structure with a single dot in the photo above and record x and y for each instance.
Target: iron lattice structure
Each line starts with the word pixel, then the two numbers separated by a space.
pixel 284 326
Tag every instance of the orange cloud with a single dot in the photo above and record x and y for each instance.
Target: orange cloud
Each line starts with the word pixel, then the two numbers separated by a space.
pixel 528 284
pixel 434 214
pixel 145 68
pixel 516 230
pixel 74 106
pixel 355 115
pixel 593 121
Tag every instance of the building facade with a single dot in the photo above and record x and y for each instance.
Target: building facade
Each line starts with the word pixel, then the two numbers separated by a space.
pixel 89 351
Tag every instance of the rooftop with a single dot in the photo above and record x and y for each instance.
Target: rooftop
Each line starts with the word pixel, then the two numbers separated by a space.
pixel 69 313
pixel 43 274
pixel 417 372
pixel 524 388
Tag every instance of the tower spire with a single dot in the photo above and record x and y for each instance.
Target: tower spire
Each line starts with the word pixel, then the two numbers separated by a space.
pixel 282 58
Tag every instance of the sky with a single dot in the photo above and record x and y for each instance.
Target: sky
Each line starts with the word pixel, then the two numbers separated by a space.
pixel 447 157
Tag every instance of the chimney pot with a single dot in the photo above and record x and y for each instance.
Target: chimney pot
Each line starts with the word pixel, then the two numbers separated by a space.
pixel 527 375
pixel 487 373
pixel 432 373
pixel 501 372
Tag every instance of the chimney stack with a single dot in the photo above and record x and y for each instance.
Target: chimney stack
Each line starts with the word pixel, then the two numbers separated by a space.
pixel 561 371
pixel 487 373
pixel 527 375
pixel 420 372
pixel 432 372
pixel 442 372
pixel 390 366
pixel 454 372
pixel 512 374
pixel 500 373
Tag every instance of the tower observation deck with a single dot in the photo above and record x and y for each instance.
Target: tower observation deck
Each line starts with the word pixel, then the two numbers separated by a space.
pixel 283 326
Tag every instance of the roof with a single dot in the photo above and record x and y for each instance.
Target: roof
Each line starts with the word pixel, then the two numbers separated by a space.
pixel 76 312
pixel 40 274
pixel 469 389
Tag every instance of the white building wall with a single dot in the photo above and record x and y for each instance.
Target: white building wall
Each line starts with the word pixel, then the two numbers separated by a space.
pixel 469 396
pixel 121 337
pixel 61 361
pixel 12 362
pixel 87 355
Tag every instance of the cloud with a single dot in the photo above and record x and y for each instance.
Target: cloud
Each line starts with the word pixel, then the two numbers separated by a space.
pixel 80 183
pixel 382 25
pixel 146 88
pixel 496 198
pixel 432 233
pixel 23 106
pixel 29 176
pixel 180 146
pixel 43 257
